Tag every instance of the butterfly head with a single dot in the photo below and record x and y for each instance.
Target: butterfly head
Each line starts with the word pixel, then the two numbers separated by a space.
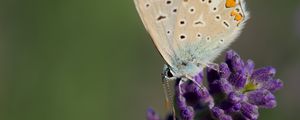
pixel 185 70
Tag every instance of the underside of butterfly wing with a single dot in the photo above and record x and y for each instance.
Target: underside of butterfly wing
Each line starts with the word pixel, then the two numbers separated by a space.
pixel 190 34
pixel 159 17
pixel 204 28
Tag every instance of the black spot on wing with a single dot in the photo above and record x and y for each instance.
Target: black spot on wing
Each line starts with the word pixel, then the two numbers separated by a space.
pixel 161 18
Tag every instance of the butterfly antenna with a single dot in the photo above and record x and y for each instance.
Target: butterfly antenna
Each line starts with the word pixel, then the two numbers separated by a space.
pixel 168 97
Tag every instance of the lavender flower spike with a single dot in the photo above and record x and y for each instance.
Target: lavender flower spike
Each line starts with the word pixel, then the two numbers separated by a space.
pixel 236 92
pixel 151 115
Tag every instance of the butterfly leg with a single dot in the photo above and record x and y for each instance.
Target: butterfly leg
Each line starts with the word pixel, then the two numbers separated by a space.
pixel 194 81
pixel 213 66
pixel 210 65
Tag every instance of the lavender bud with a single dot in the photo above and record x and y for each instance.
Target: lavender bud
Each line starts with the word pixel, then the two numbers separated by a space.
pixel 249 111
pixel 238 79
pixel 221 86
pixel 272 85
pixel 219 114
pixel 151 115
pixel 198 78
pixel 262 98
pixel 263 74
pixel 187 113
pixel 224 71
pixel 234 97
pixel 249 67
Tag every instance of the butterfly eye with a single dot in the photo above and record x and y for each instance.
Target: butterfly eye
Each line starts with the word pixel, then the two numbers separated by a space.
pixel 169 74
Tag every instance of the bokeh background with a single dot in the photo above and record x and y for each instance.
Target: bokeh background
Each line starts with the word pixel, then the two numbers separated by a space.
pixel 93 60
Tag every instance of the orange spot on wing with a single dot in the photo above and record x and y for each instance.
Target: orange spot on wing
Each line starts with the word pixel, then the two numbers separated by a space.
pixel 237 16
pixel 230 3
pixel 233 13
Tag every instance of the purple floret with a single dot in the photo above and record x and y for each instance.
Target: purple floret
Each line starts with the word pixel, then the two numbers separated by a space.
pixel 151 114
pixel 234 92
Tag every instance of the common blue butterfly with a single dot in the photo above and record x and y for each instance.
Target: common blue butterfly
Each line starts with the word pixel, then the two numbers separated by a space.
pixel 190 34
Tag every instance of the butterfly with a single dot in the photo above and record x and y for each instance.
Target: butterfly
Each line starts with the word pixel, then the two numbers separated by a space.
pixel 190 34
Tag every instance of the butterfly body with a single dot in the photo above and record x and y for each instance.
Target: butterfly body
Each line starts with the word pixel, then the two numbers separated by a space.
pixel 190 34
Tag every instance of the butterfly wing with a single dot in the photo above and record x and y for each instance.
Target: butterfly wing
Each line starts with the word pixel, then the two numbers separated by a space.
pixel 204 28
pixel 192 31
pixel 159 18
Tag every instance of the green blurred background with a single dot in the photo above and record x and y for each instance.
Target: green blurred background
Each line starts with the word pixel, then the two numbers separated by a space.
pixel 93 60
